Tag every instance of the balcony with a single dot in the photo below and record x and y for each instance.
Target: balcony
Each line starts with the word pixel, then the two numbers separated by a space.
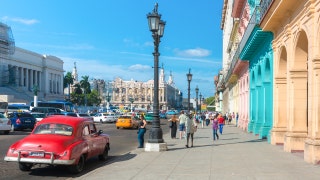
pixel 254 22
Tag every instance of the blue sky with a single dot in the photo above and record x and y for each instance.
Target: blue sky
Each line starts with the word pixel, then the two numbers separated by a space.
pixel 109 39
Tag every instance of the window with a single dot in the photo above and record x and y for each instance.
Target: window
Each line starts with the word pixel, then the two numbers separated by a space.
pixel 85 131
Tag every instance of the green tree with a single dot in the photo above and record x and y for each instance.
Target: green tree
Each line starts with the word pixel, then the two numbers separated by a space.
pixel 77 96
pixel 85 85
pixel 210 101
pixel 93 98
pixel 67 81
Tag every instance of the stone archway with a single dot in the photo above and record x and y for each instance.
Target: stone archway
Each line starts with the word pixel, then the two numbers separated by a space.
pixel 297 96
pixel 280 100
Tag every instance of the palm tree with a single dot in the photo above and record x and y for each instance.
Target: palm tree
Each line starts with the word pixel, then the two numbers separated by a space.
pixel 84 83
pixel 67 81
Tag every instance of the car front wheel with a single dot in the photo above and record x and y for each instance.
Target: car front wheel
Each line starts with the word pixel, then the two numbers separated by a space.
pixel 25 166
pixel 105 153
pixel 77 168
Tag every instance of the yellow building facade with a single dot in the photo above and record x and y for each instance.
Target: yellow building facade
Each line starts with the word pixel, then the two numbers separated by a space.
pixel 296 45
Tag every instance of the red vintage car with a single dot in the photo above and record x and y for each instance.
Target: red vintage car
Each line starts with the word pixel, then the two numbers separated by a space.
pixel 60 140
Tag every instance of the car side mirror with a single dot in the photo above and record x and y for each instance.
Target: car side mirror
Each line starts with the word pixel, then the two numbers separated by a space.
pixel 100 132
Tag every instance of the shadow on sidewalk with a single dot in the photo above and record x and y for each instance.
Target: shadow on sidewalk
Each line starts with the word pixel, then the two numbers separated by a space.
pixel 91 165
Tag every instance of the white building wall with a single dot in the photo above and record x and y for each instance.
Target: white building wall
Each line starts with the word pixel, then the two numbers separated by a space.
pixel 29 69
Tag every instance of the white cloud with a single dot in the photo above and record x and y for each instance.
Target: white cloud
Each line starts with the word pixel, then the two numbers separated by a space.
pixel 139 67
pixel 102 70
pixel 20 20
pixel 197 52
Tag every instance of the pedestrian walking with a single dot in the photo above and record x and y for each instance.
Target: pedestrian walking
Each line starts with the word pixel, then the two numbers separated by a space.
pixel 215 126
pixel 229 118
pixel 191 128
pixel 237 118
pixel 221 123
pixel 203 118
pixel 141 131
pixel 207 118
pixel 173 126
pixel 182 122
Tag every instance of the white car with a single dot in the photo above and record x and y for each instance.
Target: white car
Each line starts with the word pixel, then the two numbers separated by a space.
pixel 39 116
pixel 5 124
pixel 85 115
pixel 105 117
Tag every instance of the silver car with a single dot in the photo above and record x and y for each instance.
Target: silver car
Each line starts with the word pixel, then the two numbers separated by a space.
pixel 105 117
pixel 5 124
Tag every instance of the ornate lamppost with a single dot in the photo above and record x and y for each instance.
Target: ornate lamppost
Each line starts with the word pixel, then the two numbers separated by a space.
pixel 189 78
pixel 108 97
pixel 156 26
pixel 200 102
pixel 197 91
pixel 131 101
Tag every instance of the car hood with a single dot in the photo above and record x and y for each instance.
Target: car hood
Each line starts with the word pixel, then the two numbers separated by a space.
pixel 54 143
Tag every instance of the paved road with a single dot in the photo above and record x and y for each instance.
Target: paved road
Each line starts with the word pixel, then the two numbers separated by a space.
pixel 122 142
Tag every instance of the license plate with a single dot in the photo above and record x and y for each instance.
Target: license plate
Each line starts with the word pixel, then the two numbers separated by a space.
pixel 27 121
pixel 36 154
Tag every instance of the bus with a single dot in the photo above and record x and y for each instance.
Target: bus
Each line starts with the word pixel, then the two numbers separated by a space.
pixel 63 105
pixel 16 107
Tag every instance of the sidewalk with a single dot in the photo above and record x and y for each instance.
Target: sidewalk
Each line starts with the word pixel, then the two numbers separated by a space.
pixel 236 155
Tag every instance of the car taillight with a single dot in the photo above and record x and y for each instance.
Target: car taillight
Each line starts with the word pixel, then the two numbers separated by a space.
pixel 18 121
pixel 9 122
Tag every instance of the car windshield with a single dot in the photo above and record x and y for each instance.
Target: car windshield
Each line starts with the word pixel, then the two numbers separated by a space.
pixel 60 129
pixel 1 116
pixel 20 115
pixel 125 117
pixel 39 115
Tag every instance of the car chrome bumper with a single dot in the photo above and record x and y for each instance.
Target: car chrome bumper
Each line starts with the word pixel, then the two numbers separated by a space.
pixel 40 160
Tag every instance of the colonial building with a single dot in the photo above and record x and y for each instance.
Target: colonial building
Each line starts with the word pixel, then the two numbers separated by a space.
pixel 281 45
pixel 140 94
pixel 21 71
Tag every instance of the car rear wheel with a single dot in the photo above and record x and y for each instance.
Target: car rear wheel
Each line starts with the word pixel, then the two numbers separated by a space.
pixel 104 155
pixel 25 166
pixel 77 168
pixel 101 121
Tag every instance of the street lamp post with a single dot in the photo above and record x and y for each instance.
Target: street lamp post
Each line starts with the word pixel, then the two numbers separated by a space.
pixel 200 102
pixel 131 101
pixel 189 78
pixel 156 26
pixel 197 91
pixel 108 97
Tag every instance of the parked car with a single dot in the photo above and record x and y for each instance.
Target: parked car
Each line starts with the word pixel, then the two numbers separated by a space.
pixel 163 115
pixel 105 117
pixel 64 113
pixel 127 121
pixel 46 110
pixel 5 124
pixel 85 115
pixel 172 112
pixel 21 120
pixel 60 140
pixel 149 117
pixel 39 116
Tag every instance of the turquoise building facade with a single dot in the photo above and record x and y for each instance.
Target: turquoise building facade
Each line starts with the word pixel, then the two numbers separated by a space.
pixel 258 51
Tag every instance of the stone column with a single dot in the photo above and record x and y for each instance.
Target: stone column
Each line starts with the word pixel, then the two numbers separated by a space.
pixel 312 143
pixel 297 108
pixel 280 111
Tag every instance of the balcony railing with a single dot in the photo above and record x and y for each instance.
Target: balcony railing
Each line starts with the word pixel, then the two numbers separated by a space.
pixel 264 5
pixel 254 21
